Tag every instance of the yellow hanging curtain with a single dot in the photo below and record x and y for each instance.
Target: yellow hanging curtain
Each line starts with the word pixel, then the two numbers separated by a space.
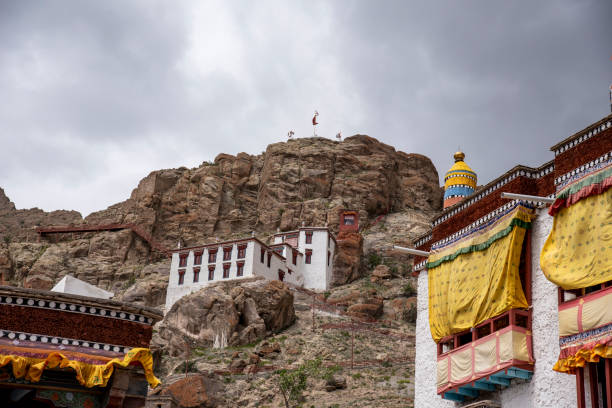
pixel 578 251
pixel 91 370
pixel 477 277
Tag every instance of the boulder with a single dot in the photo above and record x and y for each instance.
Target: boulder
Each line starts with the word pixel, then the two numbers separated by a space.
pixel 381 272
pixel 226 314
pixel 335 382
pixel 195 391
pixel 371 308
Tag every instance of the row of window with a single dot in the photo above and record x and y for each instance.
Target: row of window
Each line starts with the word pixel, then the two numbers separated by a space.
pixel 212 255
pixel 211 272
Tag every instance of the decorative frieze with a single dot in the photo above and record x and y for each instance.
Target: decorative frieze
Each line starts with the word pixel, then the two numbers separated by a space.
pixel 74 308
pixel 585 136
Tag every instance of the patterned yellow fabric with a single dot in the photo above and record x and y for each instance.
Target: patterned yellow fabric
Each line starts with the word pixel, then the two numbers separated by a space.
pixel 578 251
pixel 583 356
pixel 478 277
pixel 88 374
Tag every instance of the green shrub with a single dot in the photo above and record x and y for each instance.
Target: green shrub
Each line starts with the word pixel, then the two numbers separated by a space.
pixel 408 290
pixel 374 260
pixel 410 315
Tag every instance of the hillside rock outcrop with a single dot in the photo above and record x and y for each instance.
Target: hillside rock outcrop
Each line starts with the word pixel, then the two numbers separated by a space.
pixel 226 314
pixel 302 180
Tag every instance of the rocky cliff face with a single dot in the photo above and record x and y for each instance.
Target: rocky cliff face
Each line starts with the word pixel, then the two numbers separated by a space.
pixel 304 180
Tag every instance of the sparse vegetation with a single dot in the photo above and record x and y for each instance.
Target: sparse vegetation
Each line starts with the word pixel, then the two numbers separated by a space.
pixel 408 290
pixel 374 260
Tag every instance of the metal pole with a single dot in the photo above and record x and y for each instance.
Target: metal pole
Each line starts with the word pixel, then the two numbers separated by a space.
pixel 313 312
pixel 514 196
pixel 352 342
pixel 411 251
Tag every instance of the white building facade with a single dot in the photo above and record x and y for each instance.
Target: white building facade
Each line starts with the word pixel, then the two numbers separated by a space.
pixel 302 258
pixel 514 301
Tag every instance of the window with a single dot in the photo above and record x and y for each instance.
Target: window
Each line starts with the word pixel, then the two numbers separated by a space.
pixel 349 219
pixel 308 259
pixel 269 258
pixel 212 255
pixel 263 254
pixel 227 253
pixel 328 257
pixel 241 251
pixel 181 276
pixel 196 274
pixel 281 275
pixel 197 258
pixel 211 272
pixel 295 254
pixel 240 269
pixel 183 260
pixel 309 237
pixel 226 268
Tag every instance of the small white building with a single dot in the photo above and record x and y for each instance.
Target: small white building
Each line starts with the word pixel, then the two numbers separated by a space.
pixel 303 257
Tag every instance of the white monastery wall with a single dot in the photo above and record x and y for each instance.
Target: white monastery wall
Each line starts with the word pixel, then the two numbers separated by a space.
pixel 547 388
pixel 176 291
pixel 425 392
pixel 317 274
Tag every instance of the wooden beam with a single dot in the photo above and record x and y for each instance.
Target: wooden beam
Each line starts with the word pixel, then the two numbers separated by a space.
pixel 608 376
pixel 580 387
pixel 593 385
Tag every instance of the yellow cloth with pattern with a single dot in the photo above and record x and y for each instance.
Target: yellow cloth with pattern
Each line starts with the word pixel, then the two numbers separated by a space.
pixel 480 278
pixel 578 251
pixel 88 375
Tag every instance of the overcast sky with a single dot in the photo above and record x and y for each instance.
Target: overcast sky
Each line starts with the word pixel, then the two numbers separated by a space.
pixel 96 94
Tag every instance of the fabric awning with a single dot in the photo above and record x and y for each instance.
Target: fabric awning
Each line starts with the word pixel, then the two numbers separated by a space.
pixel 91 370
pixel 578 251
pixel 476 277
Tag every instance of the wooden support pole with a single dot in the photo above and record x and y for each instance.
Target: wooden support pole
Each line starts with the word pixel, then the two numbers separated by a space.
pixel 313 313
pixel 608 377
pixel 352 342
pixel 593 385
pixel 580 387
pixel 528 268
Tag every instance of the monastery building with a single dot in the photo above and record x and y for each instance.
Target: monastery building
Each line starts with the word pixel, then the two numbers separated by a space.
pixel 303 257
pixel 515 294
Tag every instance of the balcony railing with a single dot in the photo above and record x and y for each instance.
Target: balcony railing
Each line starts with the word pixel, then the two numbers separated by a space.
pixel 500 350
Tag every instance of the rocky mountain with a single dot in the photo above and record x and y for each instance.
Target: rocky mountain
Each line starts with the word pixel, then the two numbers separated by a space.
pixel 303 180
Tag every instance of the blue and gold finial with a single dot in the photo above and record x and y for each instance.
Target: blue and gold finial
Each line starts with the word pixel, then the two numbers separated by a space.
pixel 459 182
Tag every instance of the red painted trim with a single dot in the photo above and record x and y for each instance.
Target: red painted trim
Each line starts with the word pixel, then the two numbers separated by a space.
pixel 473 361
pixel 497 358
pixel 579 316
pixel 590 296
pixel 528 266
pixel 484 374
pixel 587 297
pixel 449 370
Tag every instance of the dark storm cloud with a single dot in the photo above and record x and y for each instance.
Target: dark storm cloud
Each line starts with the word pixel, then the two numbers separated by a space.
pixel 97 94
